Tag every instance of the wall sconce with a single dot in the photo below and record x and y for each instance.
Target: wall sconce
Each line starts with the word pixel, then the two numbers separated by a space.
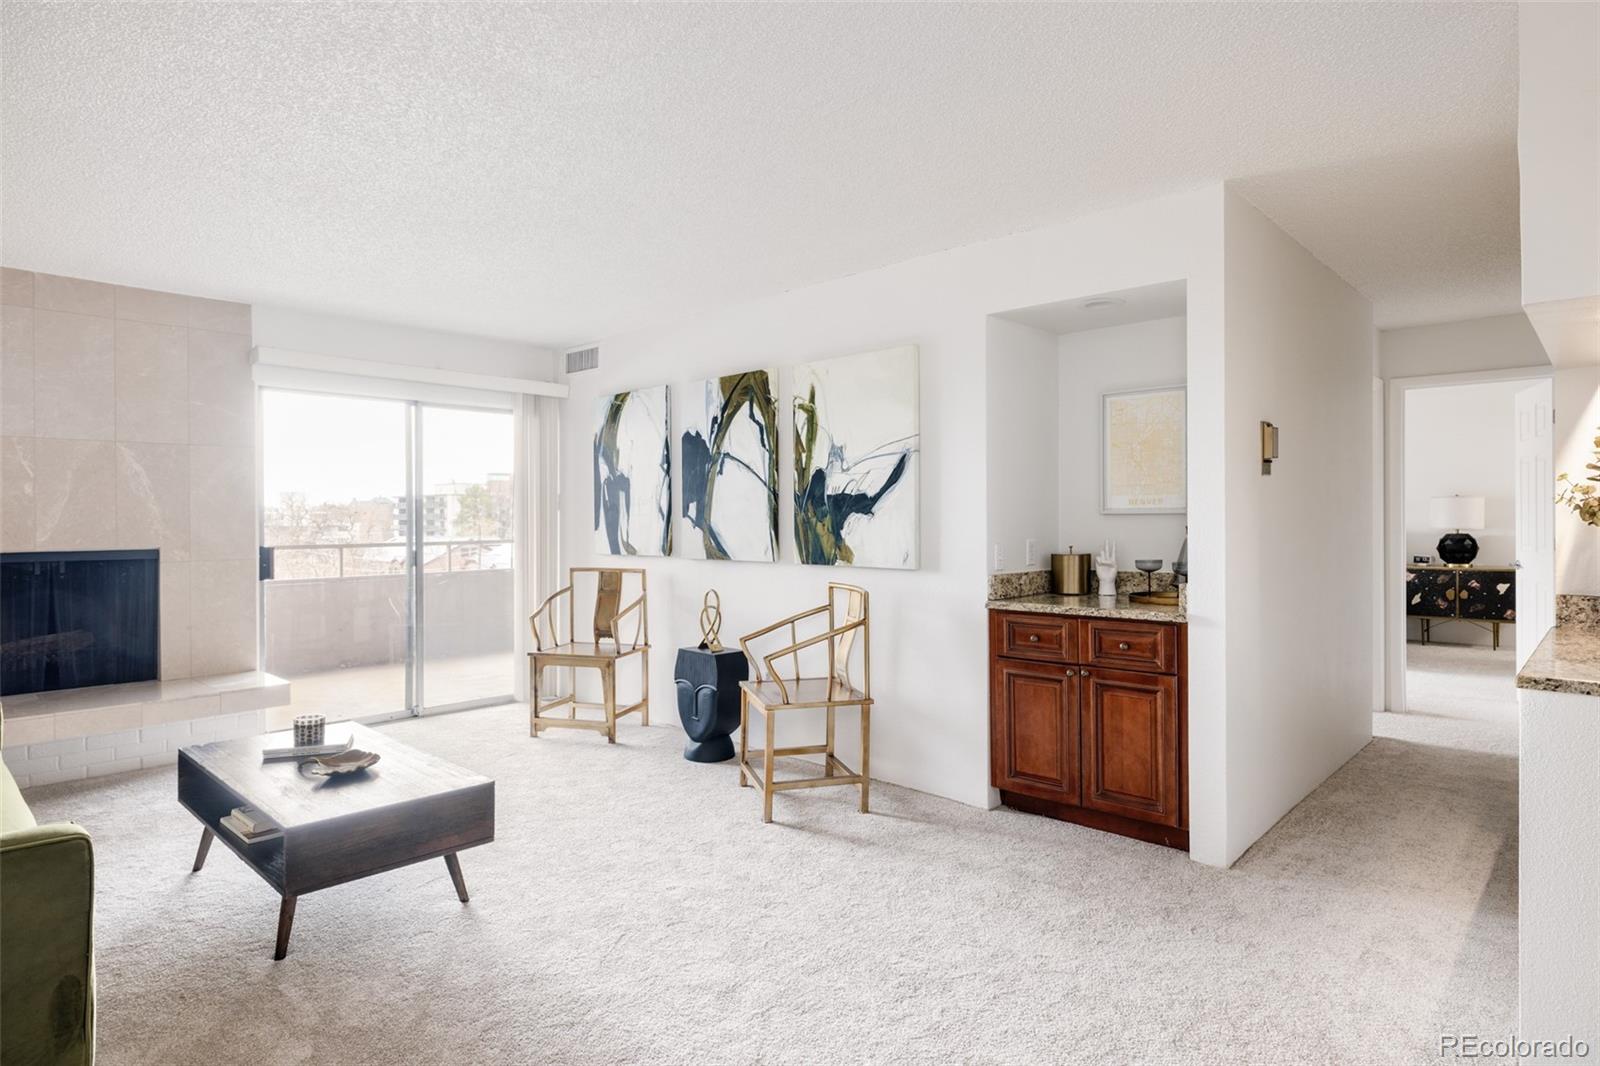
pixel 1269 447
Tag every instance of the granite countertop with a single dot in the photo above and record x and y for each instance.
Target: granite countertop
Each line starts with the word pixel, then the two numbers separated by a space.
pixel 1567 660
pixel 1090 607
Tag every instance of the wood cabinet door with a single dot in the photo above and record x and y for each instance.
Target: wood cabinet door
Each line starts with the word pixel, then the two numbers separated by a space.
pixel 1033 722
pixel 1130 745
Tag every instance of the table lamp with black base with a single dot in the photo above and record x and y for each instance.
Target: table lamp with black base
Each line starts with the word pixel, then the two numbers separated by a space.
pixel 1458 513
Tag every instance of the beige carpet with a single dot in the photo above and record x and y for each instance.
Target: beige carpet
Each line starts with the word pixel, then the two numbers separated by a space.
pixel 1468 691
pixel 635 909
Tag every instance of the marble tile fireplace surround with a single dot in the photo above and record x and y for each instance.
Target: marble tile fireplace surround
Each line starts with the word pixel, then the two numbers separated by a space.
pixel 127 421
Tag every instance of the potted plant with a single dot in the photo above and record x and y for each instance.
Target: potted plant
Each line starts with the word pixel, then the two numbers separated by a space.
pixel 1583 497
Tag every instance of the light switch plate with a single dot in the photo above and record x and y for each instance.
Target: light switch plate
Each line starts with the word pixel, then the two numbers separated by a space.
pixel 1032 551
pixel 999 558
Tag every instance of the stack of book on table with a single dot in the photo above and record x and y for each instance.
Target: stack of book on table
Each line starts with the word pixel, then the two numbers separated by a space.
pixel 250 825
pixel 307 751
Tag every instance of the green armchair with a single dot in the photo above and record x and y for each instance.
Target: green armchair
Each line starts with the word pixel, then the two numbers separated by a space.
pixel 46 938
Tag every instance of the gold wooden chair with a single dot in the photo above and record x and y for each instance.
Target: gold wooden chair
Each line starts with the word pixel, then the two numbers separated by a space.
pixel 770 693
pixel 550 650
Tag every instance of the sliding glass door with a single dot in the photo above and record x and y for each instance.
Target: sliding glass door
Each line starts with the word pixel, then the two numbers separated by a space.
pixel 467 633
pixel 336 594
pixel 387 554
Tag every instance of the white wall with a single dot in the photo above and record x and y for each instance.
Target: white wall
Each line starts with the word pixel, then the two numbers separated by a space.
pixel 1300 353
pixel 1494 343
pixel 1576 394
pixel 1135 356
pixel 1558 149
pixel 1558 155
pixel 1460 440
pixel 1558 895
pixel 930 725
pixel 1024 423
pixel 354 338
pixel 1558 902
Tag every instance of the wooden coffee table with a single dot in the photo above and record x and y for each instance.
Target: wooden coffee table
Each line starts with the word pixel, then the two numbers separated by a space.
pixel 408 808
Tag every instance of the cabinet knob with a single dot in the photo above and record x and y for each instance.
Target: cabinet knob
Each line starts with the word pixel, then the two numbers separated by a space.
pixel 1124 646
pixel 1033 638
pixel 1083 673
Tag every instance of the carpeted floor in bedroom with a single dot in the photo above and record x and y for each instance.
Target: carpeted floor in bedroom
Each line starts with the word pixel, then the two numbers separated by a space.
pixel 634 908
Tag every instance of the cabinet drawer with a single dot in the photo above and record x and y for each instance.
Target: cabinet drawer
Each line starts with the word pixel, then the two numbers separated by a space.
pixel 1037 636
pixel 1130 645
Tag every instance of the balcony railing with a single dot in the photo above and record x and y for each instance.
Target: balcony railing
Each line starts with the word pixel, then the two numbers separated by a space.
pixel 314 620
pixel 323 562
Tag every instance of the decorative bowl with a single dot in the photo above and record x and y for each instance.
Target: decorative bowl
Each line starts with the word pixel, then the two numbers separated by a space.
pixel 1149 566
pixel 350 761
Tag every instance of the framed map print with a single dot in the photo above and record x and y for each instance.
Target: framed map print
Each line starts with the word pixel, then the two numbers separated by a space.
pixel 1143 451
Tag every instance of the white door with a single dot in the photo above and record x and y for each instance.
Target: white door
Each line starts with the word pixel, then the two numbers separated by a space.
pixel 1536 540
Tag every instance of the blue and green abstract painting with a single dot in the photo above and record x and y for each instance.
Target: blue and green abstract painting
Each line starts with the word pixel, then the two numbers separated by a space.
pixel 633 473
pixel 856 442
pixel 730 469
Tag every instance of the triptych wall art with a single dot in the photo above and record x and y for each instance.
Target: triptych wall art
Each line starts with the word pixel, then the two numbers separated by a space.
pixel 730 468
pixel 633 473
pixel 855 452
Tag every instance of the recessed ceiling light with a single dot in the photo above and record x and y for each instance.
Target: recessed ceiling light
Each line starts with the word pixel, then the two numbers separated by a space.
pixel 1103 301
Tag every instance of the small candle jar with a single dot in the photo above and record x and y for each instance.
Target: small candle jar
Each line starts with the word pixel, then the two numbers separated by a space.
pixel 309 729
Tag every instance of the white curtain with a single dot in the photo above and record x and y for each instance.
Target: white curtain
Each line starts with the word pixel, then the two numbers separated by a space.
pixel 538 523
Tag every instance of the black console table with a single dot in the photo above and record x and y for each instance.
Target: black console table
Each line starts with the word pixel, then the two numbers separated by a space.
pixel 1483 595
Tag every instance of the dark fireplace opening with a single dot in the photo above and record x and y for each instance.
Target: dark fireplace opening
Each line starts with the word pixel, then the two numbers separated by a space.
pixel 72 619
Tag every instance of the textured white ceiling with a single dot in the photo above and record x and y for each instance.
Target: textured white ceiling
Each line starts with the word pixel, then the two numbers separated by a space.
pixel 558 173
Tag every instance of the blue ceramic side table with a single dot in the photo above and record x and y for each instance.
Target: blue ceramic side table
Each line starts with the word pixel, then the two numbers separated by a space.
pixel 708 700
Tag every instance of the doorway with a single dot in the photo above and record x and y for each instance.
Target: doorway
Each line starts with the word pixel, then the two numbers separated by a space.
pixel 1468 590
pixel 387 561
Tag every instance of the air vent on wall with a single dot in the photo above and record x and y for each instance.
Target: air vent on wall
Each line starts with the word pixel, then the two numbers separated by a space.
pixel 583 359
